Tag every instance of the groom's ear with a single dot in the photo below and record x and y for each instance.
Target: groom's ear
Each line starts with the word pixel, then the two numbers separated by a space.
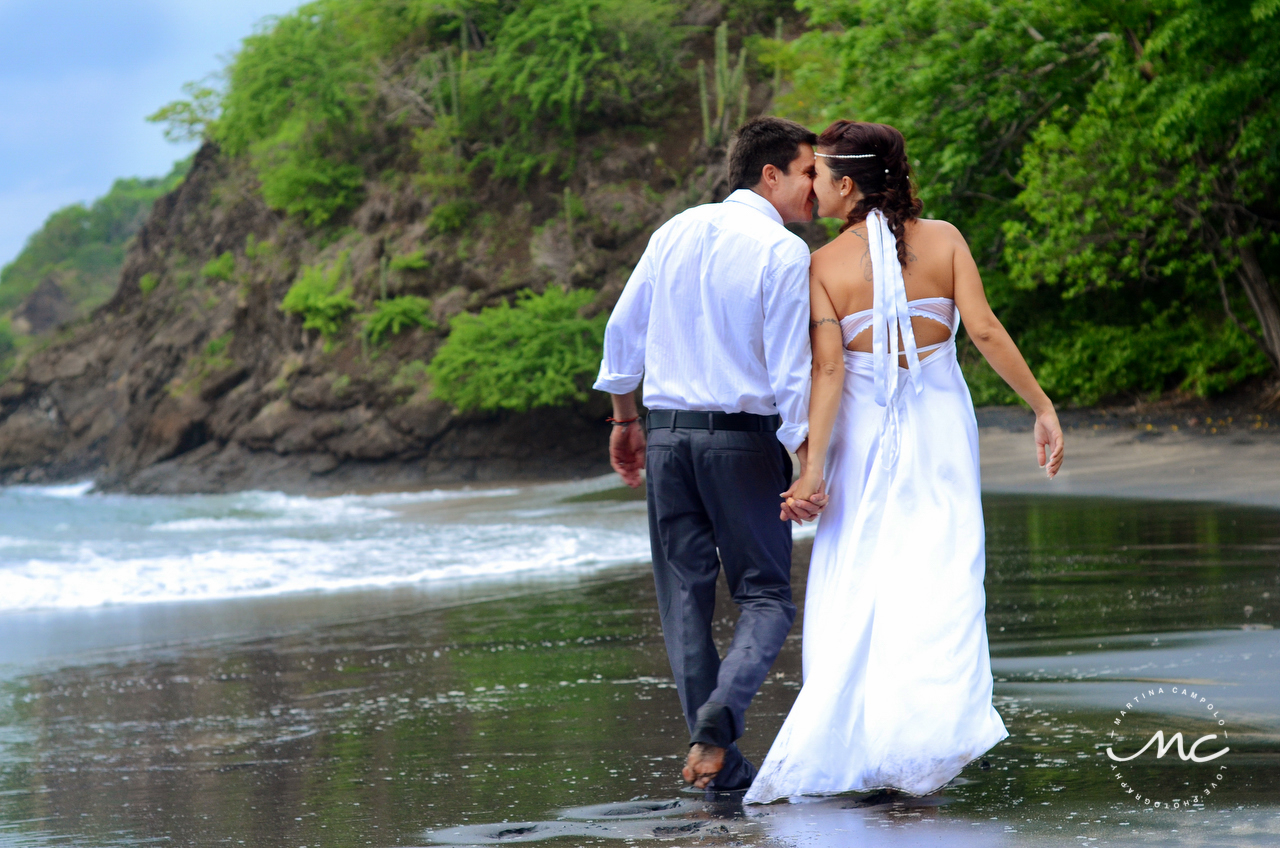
pixel 770 175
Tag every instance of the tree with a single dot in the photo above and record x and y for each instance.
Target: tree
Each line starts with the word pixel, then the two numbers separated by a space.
pixel 1167 180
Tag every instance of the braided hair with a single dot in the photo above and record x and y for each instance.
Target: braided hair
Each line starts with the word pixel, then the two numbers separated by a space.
pixel 884 178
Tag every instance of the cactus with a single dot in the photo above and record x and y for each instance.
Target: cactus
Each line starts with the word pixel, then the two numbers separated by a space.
pixel 731 90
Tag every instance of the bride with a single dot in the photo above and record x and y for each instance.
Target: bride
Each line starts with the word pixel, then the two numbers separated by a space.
pixel 897 676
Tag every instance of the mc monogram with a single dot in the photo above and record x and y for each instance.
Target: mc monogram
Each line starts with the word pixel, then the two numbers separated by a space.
pixel 1162 748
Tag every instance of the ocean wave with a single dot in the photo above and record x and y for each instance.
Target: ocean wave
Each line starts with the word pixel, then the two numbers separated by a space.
pixel 276 510
pixel 278 566
pixel 63 490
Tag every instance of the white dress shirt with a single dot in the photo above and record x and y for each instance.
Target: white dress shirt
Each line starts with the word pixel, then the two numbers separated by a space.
pixel 716 317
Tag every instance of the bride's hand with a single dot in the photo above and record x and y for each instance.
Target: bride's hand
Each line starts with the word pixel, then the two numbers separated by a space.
pixel 1049 446
pixel 807 487
pixel 804 500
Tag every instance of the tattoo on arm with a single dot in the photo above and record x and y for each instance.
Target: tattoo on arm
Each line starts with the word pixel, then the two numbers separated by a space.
pixel 813 325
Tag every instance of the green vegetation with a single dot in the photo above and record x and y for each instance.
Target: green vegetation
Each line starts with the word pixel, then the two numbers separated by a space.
pixel 410 262
pixel 81 248
pixel 210 360
pixel 731 89
pixel 223 268
pixel 512 81
pixel 409 376
pixel 8 345
pixel 540 352
pixel 450 216
pixel 1113 166
pixel 215 353
pixel 148 283
pixel 390 317
pixel 1158 198
pixel 315 296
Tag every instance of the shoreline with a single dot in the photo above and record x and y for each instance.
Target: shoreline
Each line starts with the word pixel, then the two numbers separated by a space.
pixel 1166 455
pixel 1111 456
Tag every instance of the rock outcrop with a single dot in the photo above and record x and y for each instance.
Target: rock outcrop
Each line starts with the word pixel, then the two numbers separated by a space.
pixel 186 382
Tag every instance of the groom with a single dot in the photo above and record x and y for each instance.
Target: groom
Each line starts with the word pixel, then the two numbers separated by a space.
pixel 715 318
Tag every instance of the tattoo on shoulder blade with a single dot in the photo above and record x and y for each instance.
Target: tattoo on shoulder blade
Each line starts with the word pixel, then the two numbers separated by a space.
pixel 821 321
pixel 911 257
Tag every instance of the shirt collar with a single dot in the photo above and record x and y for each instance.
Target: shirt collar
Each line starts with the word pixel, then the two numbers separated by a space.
pixel 747 197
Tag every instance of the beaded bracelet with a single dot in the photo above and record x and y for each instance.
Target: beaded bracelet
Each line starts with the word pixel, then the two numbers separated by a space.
pixel 625 422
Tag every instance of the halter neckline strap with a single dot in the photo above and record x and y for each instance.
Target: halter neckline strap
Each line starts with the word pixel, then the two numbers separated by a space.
pixel 889 305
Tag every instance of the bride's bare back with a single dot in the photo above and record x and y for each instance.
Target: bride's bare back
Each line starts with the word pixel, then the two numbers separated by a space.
pixel 934 250
pixel 939 264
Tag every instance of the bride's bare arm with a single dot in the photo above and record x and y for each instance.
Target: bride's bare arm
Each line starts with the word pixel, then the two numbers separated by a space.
pixel 994 343
pixel 827 342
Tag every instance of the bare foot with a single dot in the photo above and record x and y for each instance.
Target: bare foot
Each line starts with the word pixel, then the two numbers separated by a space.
pixel 703 764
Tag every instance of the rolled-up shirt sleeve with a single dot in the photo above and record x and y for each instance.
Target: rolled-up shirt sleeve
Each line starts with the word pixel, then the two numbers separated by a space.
pixel 622 366
pixel 786 348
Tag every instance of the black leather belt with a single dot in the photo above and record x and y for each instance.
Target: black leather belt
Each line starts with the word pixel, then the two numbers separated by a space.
pixel 672 419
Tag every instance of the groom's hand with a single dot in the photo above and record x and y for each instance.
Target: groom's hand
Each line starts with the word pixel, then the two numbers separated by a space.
pixel 801 510
pixel 626 452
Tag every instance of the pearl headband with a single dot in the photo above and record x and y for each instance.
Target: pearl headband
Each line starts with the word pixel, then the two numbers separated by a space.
pixel 849 156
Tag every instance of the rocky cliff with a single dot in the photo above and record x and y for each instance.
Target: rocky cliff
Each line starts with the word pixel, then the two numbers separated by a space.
pixel 193 379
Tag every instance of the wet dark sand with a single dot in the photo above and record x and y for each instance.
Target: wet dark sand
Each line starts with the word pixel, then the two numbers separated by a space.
pixel 396 718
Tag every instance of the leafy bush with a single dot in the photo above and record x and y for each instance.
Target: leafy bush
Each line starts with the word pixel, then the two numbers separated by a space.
pixel 215 353
pixel 148 282
pixel 511 82
pixel 563 67
pixel 301 181
pixel 396 315
pixel 1177 349
pixel 574 62
pixel 316 297
pixel 223 268
pixel 296 101
pixel 540 352
pixel 409 262
pixel 450 216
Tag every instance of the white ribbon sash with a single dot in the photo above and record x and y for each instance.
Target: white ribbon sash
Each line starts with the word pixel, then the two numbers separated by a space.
pixel 889 293
pixel 889 316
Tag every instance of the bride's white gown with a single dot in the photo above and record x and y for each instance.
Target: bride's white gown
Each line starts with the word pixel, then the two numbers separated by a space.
pixel 897 674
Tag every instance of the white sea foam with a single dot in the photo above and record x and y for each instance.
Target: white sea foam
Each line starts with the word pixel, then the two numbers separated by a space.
pixel 66 490
pixel 275 510
pixel 272 566
pixel 61 550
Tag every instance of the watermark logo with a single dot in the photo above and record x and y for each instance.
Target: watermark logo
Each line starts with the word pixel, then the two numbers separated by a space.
pixel 1194 747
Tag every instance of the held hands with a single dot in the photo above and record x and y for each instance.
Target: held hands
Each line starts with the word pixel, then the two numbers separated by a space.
pixel 806 497
pixel 626 452
pixel 1049 444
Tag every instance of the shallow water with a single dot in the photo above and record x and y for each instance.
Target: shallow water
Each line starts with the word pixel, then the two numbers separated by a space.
pixel 493 705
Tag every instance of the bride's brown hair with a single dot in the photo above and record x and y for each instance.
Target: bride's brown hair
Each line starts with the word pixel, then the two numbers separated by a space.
pixel 883 178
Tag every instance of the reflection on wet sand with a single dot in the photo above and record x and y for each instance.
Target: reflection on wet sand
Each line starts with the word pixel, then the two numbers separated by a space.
pixel 513 719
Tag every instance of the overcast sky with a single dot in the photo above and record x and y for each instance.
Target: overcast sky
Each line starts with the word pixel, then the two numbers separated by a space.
pixel 77 80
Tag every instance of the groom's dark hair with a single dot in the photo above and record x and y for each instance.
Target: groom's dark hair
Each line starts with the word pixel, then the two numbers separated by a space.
pixel 765 141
